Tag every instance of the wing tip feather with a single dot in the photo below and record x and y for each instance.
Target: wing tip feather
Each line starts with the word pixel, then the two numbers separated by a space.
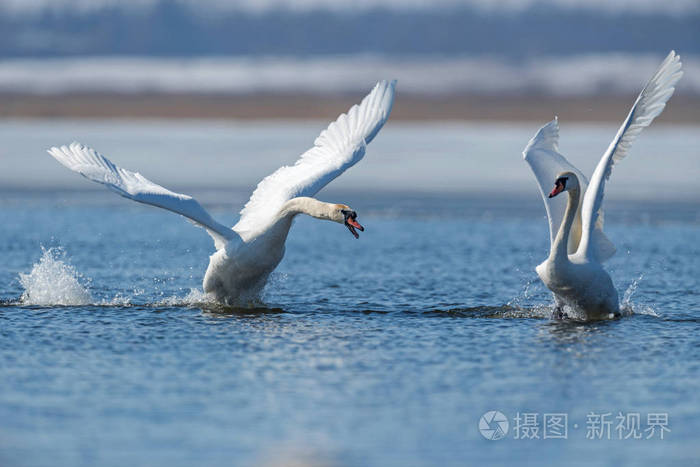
pixel 359 125
pixel 547 137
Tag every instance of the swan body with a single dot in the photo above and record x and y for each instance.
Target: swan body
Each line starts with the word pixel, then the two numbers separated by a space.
pixel 249 251
pixel 573 270
pixel 241 269
pixel 583 290
pixel 577 282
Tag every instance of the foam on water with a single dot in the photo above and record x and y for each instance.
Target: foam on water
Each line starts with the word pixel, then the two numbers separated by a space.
pixel 194 297
pixel 53 281
pixel 627 307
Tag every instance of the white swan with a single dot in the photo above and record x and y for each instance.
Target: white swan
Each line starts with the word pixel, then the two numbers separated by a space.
pixel 573 270
pixel 247 253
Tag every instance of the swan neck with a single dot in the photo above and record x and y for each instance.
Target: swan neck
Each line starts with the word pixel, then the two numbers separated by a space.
pixel 561 241
pixel 304 205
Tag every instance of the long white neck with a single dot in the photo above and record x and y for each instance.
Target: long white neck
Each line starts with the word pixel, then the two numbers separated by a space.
pixel 559 250
pixel 274 234
pixel 277 232
pixel 309 206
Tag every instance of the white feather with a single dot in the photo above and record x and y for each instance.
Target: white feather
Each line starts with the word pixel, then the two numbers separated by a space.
pixel 337 148
pixel 649 104
pixel 97 168
pixel 545 161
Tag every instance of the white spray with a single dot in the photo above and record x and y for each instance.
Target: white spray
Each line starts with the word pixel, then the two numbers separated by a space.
pixel 52 281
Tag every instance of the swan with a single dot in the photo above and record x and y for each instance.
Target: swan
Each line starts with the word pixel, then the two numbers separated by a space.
pixel 578 246
pixel 248 252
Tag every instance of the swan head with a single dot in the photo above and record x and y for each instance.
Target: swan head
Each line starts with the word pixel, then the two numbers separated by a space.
pixel 343 214
pixel 566 181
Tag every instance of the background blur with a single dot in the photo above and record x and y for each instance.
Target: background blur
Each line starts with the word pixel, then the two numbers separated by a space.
pixel 474 49
pixel 71 66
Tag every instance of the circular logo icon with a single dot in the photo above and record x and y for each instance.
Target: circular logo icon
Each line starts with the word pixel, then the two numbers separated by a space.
pixel 493 425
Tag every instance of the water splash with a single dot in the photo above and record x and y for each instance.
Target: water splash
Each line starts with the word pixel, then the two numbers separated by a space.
pixel 525 294
pixel 627 308
pixel 53 281
pixel 194 297
pixel 627 297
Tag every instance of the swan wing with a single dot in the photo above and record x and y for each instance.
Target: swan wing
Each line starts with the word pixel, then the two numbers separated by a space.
pixel 545 161
pixel 649 104
pixel 97 168
pixel 337 148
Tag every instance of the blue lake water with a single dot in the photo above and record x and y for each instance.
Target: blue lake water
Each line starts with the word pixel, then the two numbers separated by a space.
pixel 385 350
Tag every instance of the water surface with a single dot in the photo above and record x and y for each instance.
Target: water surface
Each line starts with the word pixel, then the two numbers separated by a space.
pixel 380 351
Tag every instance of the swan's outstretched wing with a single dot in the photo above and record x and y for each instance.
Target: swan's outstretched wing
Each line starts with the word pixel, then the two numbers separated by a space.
pixel 543 157
pixel 94 166
pixel 649 104
pixel 337 148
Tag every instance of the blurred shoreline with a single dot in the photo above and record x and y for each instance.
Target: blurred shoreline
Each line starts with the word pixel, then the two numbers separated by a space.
pixel 682 108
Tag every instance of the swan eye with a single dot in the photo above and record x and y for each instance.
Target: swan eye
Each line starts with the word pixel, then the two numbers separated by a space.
pixel 561 181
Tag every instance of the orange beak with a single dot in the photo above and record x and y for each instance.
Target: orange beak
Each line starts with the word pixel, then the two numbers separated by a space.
pixel 558 188
pixel 352 224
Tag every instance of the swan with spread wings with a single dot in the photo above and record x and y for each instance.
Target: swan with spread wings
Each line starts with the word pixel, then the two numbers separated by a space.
pixel 573 271
pixel 248 252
